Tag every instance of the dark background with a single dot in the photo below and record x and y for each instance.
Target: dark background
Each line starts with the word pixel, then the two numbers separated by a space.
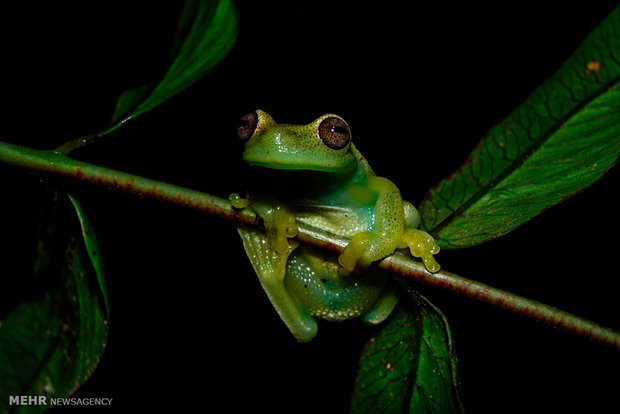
pixel 419 85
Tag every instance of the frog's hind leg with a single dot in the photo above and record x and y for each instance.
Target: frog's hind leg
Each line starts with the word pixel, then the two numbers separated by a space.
pixel 270 267
pixel 384 305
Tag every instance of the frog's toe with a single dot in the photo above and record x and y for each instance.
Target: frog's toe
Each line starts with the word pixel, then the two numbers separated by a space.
pixel 422 245
pixel 431 264
pixel 290 229
pixel 238 202
pixel 364 248
pixel 278 242
pixel 349 259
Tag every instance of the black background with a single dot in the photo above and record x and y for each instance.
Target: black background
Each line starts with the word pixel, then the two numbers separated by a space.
pixel 419 85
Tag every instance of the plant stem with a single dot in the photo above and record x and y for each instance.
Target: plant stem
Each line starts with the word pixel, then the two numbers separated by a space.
pixel 80 142
pixel 55 162
pixel 399 263
pixel 74 144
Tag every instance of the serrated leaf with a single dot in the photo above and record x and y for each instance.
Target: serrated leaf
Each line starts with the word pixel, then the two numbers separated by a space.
pixel 209 29
pixel 561 140
pixel 409 367
pixel 51 344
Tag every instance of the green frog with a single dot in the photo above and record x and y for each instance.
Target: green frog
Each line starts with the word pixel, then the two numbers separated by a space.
pixel 316 176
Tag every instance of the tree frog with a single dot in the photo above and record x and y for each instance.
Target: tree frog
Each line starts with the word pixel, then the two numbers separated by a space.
pixel 316 176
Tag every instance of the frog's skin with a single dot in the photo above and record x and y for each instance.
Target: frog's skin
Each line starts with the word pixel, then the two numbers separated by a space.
pixel 321 180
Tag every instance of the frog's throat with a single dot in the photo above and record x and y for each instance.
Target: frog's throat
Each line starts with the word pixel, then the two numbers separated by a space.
pixel 279 165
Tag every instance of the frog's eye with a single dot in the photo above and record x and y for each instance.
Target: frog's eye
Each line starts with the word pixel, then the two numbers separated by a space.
pixel 334 132
pixel 247 126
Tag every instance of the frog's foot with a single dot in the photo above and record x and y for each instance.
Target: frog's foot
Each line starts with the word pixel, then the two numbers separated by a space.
pixel 279 225
pixel 384 305
pixel 279 221
pixel 363 249
pixel 422 245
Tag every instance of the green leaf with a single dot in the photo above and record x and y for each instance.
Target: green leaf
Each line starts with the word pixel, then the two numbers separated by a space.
pixel 50 344
pixel 207 30
pixel 561 140
pixel 410 366
pixel 130 99
pixel 92 250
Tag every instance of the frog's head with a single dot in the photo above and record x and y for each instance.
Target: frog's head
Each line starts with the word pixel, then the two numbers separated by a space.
pixel 323 145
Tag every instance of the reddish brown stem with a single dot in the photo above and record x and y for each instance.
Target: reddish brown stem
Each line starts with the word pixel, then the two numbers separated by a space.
pixel 57 163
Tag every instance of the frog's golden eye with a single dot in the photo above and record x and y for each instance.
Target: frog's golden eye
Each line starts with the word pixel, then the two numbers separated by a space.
pixel 247 126
pixel 334 132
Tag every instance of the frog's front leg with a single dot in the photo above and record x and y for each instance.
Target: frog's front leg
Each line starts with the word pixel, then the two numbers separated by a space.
pixel 386 233
pixel 394 228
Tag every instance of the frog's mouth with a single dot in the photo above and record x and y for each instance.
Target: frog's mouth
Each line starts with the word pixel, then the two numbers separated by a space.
pixel 292 174
pixel 292 166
